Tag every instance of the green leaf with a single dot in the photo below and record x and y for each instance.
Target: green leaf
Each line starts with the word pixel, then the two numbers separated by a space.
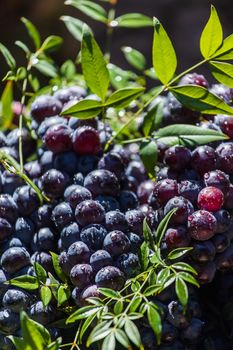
pixel 132 332
pixel 134 57
pixel 82 313
pixel 8 56
pixel 34 82
pixel 55 345
pixel 135 285
pixel 178 253
pixel 60 274
pixel 118 307
pixel 188 278
pixel 6 102
pixel 148 236
pixel 188 134
pixel 151 290
pixel 181 291
pixel 63 295
pixel 68 69
pixel 155 322
pixel 21 73
pixel 185 267
pixel 121 78
pixel 94 65
pixel 98 335
pixel 150 73
pixel 163 275
pixel 75 26
pixel 31 333
pixel 223 72
pixel 122 338
pixel 19 343
pixel 144 255
pixel 200 99
pixel 40 272
pixel 149 154
pixel 225 52
pixel 90 9
pixel 212 36
pixel 46 295
pixel 25 282
pixel 84 109
pixel 163 54
pixel 86 325
pixel 32 31
pixel 153 119
pixel 45 68
pixel 110 293
pixel 22 46
pixel 132 20
pixel 54 284
pixel 122 98
pixel 160 232
pixel 109 342
pixel 135 303
pixel 51 43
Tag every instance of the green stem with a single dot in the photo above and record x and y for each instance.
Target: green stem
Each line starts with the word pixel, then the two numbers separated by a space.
pixel 111 16
pixel 174 80
pixel 23 98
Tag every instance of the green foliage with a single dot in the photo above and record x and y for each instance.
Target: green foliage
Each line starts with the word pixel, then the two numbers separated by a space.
pixel 89 8
pixel 153 119
pixel 33 32
pixel 187 135
pixel 114 314
pixel 223 72
pixel 111 319
pixel 134 57
pixel 132 20
pixel 94 65
pixel 25 282
pixel 84 109
pixel 75 26
pixel 200 99
pixel 122 97
pixel 212 35
pixel 163 54
pixel 225 52
pixel 34 336
pixel 149 154
pixel 8 57
pixel 6 106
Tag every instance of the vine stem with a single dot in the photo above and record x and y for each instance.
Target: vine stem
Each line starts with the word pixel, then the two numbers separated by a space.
pixel 161 90
pixel 111 16
pixel 23 98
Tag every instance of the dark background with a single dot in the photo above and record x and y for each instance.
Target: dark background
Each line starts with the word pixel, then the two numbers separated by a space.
pixel 183 19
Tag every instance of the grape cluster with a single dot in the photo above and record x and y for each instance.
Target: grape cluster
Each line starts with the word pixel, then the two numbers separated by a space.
pixel 200 189
pixel 181 330
pixel 92 220
pixel 97 203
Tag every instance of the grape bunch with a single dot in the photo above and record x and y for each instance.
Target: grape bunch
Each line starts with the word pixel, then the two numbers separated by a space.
pixel 94 213
pixel 181 329
pixel 200 188
pixel 92 219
